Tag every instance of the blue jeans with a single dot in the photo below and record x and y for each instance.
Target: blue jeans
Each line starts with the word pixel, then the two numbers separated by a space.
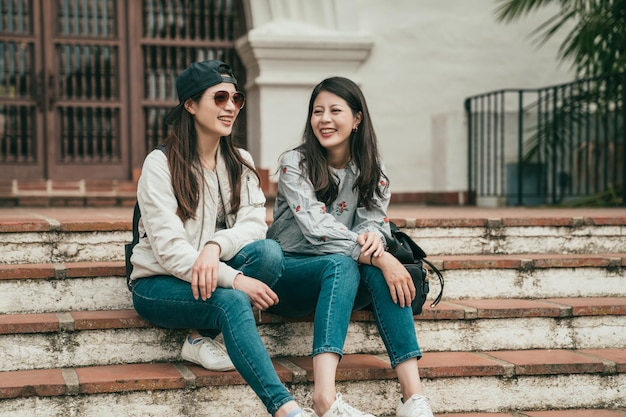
pixel 324 284
pixel 168 302
pixel 395 324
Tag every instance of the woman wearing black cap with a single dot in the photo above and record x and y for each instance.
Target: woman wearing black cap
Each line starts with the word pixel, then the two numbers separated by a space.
pixel 202 259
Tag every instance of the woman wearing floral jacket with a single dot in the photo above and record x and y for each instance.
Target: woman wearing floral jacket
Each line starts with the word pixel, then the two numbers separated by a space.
pixel 330 220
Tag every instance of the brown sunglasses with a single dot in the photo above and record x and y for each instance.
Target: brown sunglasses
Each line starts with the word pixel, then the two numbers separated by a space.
pixel 238 98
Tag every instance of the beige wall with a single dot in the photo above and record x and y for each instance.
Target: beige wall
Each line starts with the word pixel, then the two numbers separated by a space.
pixel 416 60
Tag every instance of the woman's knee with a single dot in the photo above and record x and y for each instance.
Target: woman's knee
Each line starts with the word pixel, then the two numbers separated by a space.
pixel 232 300
pixel 271 252
pixel 231 309
pixel 266 252
pixel 262 259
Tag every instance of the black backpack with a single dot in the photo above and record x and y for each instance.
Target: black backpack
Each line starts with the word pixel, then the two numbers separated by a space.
pixel 128 248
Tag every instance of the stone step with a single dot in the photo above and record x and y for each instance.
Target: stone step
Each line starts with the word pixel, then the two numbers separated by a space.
pixel 38 288
pixel 26 240
pixel 531 323
pixel 518 235
pixel 85 338
pixel 455 382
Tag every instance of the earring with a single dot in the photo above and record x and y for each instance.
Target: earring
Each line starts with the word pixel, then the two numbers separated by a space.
pixel 356 129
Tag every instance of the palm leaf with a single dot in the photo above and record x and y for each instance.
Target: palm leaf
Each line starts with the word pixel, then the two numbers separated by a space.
pixel 596 44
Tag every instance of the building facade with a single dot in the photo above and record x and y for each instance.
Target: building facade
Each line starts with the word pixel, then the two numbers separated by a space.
pixel 84 84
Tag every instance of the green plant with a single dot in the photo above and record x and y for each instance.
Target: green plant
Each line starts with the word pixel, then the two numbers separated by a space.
pixel 596 40
pixel 583 123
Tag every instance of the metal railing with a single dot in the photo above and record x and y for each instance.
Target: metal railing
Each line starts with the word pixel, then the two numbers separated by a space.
pixel 562 144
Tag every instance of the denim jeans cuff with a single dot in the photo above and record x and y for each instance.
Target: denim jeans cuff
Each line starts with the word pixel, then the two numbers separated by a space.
pixel 328 349
pixel 415 354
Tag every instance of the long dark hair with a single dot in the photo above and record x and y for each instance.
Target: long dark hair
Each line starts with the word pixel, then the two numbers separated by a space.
pixel 363 148
pixel 186 169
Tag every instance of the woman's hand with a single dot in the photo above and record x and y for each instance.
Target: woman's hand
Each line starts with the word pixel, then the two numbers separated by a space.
pixel 370 244
pixel 261 295
pixel 204 272
pixel 398 279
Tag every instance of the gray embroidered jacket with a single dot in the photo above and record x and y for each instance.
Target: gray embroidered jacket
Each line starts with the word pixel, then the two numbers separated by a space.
pixel 304 225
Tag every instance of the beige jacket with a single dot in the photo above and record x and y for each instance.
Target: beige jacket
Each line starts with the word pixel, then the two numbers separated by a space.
pixel 169 246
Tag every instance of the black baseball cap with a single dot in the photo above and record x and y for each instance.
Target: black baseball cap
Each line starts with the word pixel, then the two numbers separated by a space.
pixel 198 77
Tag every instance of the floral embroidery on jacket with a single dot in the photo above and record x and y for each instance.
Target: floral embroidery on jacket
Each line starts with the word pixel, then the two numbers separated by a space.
pixel 334 226
pixel 341 207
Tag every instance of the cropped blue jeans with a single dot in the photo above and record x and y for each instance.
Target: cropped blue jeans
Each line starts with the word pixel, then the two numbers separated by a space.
pixel 395 324
pixel 322 284
pixel 331 287
pixel 168 302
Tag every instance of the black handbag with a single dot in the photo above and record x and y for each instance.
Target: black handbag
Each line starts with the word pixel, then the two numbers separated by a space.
pixel 413 258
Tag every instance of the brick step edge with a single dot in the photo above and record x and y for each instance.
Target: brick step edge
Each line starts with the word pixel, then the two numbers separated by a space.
pixel 362 367
pixel 123 222
pixel 468 309
pixel 526 262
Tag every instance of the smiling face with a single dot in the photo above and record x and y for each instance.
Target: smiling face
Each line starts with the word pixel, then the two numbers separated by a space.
pixel 209 118
pixel 332 122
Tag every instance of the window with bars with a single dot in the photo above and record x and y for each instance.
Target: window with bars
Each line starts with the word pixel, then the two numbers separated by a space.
pixel 89 87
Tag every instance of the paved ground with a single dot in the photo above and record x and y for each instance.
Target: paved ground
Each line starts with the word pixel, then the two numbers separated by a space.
pixel 403 211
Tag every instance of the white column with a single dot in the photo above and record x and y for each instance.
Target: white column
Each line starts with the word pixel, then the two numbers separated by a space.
pixel 292 45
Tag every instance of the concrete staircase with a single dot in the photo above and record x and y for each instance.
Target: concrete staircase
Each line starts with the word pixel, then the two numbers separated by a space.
pixel 533 323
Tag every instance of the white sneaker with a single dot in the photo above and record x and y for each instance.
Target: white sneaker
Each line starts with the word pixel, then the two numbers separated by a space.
pixel 416 406
pixel 306 412
pixel 207 353
pixel 343 409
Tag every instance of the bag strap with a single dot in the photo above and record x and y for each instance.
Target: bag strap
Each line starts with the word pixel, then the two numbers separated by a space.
pixel 440 276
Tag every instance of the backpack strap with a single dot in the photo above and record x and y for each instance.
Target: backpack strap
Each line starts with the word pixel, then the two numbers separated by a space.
pixel 136 217
pixel 129 246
